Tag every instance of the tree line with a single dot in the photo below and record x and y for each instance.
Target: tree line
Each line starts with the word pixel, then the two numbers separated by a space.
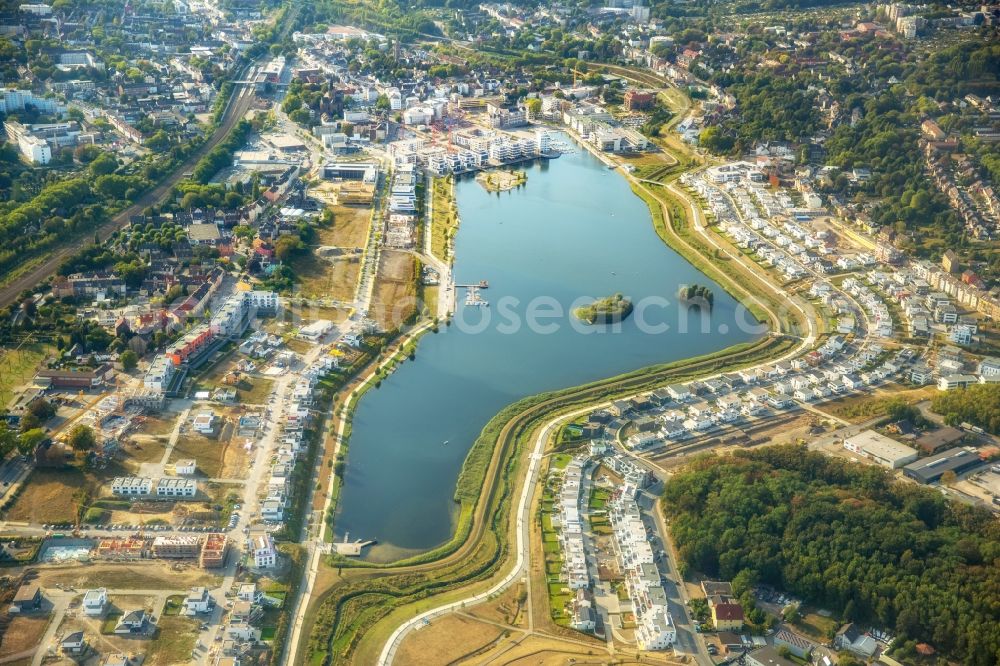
pixel 847 538
pixel 978 405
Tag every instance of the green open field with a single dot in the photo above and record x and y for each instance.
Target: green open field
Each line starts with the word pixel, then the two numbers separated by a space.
pixel 445 222
pixel 18 367
pixel 336 278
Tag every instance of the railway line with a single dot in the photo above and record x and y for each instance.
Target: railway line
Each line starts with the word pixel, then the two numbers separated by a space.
pixel 239 104
pixel 242 97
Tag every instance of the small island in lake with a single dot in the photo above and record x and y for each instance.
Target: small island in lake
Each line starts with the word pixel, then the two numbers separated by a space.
pixel 607 310
pixel 501 179
pixel 696 294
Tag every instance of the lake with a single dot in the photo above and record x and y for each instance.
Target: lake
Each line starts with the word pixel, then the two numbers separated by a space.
pixel 574 231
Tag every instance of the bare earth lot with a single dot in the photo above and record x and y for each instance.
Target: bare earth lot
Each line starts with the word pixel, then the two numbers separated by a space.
pixel 149 575
pixel 51 496
pixel 22 634
pixel 447 640
pixel 215 457
pixel 395 291
pixel 170 641
pixel 335 274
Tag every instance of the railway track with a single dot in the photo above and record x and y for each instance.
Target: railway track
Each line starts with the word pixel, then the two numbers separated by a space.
pixel 239 103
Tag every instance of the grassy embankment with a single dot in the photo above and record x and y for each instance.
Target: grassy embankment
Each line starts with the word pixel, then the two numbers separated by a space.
pixel 351 620
pixel 445 222
pixel 365 593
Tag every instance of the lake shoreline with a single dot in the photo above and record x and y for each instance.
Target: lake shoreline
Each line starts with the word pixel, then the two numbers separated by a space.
pixel 413 437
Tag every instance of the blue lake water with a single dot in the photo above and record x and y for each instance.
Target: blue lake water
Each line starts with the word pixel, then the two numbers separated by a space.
pixel 574 231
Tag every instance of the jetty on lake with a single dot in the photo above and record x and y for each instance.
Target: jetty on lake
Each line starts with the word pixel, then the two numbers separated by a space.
pixel 352 548
pixel 472 295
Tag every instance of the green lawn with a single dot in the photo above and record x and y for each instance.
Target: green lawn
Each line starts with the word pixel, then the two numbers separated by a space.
pixel 174 604
pixel 598 499
pixel 547 522
pixel 18 367
pixel 110 622
pixel 560 460
pixel 445 222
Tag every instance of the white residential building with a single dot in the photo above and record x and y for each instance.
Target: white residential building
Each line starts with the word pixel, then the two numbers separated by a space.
pixel 264 554
pixel 198 601
pixel 654 626
pixel 94 601
pixel 174 487
pixel 131 485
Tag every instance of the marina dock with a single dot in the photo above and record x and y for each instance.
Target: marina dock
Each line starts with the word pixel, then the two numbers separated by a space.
pixel 472 295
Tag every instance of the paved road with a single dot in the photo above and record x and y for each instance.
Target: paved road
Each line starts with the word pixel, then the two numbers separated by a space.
pixel 313 539
pixel 522 548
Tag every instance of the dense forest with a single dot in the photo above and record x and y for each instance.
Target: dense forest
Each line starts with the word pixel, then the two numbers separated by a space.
pixel 978 405
pixel 771 108
pixel 849 539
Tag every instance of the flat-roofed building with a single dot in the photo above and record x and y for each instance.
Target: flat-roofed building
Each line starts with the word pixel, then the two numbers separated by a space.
pixel 27 598
pixel 930 470
pixel 128 486
pixel 174 487
pixel 265 556
pixel 177 547
pixel 366 172
pixel 883 450
pixel 95 600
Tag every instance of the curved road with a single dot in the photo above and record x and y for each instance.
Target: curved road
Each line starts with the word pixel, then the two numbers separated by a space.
pixel 523 522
